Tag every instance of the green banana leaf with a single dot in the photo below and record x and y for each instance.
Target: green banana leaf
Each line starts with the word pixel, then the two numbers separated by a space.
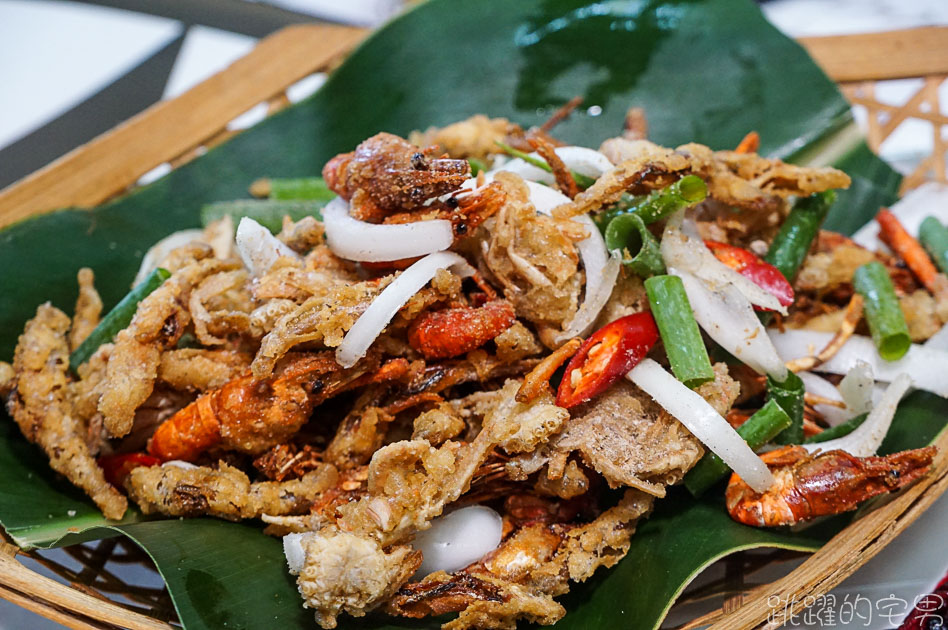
pixel 704 70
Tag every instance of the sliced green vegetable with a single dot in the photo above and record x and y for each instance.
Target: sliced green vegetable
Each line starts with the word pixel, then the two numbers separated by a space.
pixel 117 319
pixel 795 237
pixel 300 188
pixel 844 428
pixel 267 212
pixel 882 310
pixel 686 192
pixel 639 248
pixel 789 395
pixel 934 236
pixel 477 166
pixel 583 181
pixel 757 430
pixel 679 330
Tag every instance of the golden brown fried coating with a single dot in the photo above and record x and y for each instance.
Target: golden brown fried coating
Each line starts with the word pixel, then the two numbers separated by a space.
pixel 159 322
pixel 226 318
pixel 360 434
pixel 191 369
pixel 438 425
pixel 39 405
pixel 631 441
pixel 224 492
pixel 475 137
pixel 533 261
pixel 345 573
pixel 517 342
pixel 303 235
pixel 322 319
pixel 88 309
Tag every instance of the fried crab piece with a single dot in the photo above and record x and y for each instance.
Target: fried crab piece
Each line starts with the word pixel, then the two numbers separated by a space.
pixel 531 258
pixel 159 322
pixel 387 175
pixel 38 403
pixel 231 315
pixel 631 441
pixel 190 369
pixel 520 578
pixel 224 492
pixel 88 309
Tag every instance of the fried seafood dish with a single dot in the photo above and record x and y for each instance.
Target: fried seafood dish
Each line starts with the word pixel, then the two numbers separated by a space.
pixel 458 381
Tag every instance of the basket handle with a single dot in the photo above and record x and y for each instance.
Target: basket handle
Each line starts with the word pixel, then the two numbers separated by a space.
pixel 112 162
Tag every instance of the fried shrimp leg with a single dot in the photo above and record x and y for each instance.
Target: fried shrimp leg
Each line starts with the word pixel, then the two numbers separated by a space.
pixel 829 483
pixel 39 406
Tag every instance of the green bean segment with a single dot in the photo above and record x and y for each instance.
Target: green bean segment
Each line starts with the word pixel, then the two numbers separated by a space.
pixel 267 212
pixel 759 429
pixel 844 428
pixel 882 310
pixel 301 188
pixel 679 330
pixel 639 248
pixel 117 319
pixel 789 395
pixel 934 237
pixel 795 237
pixel 685 193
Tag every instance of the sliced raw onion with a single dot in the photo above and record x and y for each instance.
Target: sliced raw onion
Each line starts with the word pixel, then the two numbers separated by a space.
pixel 597 294
pixel 293 550
pixel 179 463
pixel 926 367
pixel 160 250
pixel 383 308
pixel 258 248
pixel 457 539
pixel 857 388
pixel 352 239
pixel 703 421
pixel 816 384
pixel 583 160
pixel 728 318
pixel 867 437
pixel 687 253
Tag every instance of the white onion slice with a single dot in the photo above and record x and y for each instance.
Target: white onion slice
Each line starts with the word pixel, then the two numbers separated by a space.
pixel 352 239
pixel 703 421
pixel 179 463
pixel 687 253
pixel 383 308
pixel 160 250
pixel 457 539
pixel 582 160
pixel 258 248
pixel 293 550
pixel 728 318
pixel 926 367
pixel 597 294
pixel 816 384
pixel 867 437
pixel 857 388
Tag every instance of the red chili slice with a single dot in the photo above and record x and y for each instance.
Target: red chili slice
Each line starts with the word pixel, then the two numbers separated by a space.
pixel 117 467
pixel 761 273
pixel 605 357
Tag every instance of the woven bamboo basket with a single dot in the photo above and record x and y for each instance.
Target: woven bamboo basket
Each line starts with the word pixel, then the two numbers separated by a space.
pixel 174 132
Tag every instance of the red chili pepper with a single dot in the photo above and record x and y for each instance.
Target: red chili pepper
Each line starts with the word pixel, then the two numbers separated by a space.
pixel 605 357
pixel 761 273
pixel 117 467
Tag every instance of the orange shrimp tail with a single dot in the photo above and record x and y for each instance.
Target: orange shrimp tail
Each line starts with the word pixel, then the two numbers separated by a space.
pixel 455 331
pixel 188 433
pixel 830 483
pixel 335 174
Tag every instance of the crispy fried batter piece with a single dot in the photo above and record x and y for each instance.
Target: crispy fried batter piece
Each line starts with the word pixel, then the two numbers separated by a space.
pixel 225 318
pixel 158 323
pixel 38 404
pixel 631 441
pixel 198 369
pixel 743 180
pixel 531 258
pixel 224 492
pixel 303 235
pixel 88 309
pixel 438 425
pixel 323 319
pixel 475 137
pixel 345 573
